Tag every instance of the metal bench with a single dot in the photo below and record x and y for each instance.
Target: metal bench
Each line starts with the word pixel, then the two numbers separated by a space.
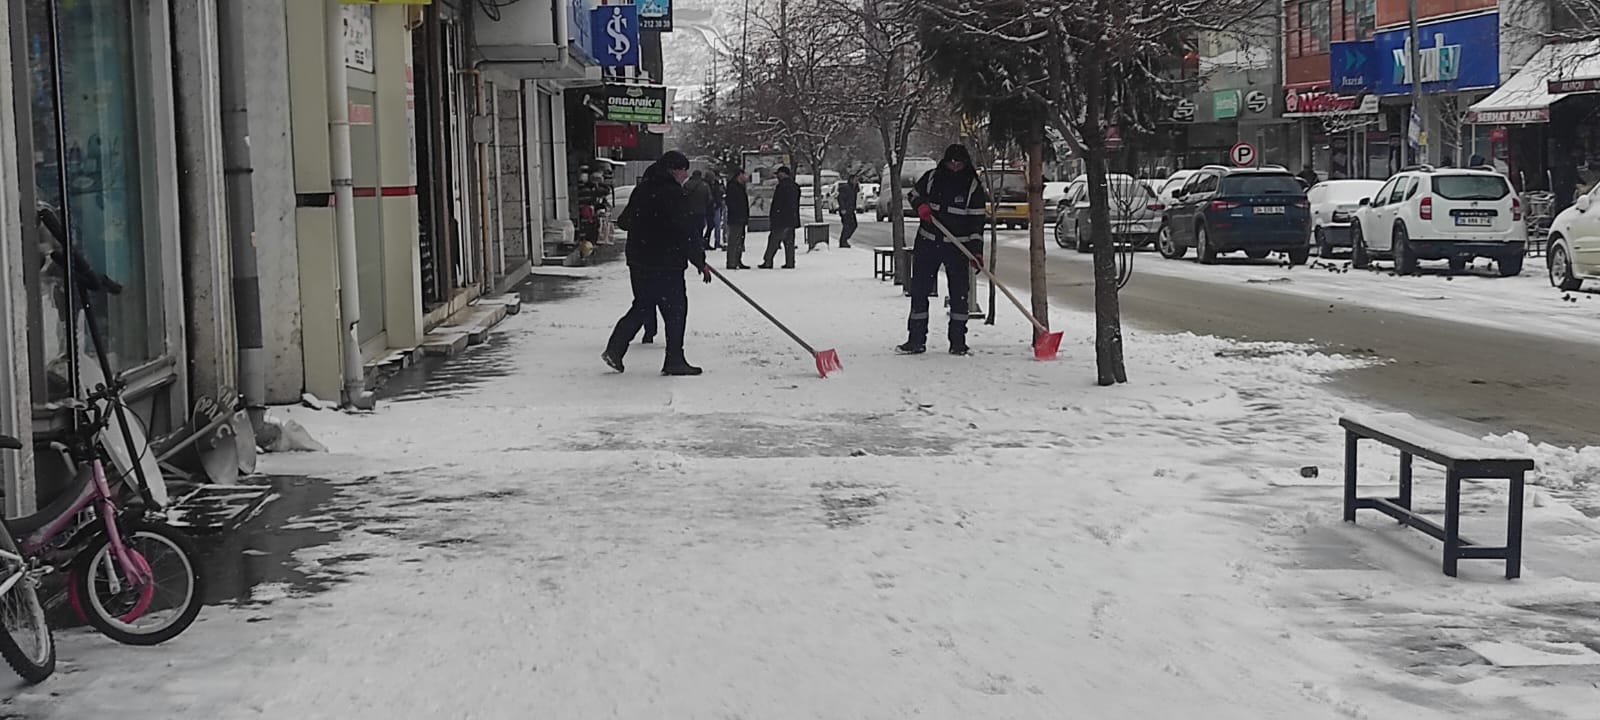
pixel 1463 458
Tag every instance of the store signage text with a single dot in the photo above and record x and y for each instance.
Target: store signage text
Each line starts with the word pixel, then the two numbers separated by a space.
pixel 636 103
pixel 1443 64
pixel 1351 66
pixel 616 35
pixel 1184 110
pixel 1509 117
pixel 655 15
pixel 1310 103
pixel 1440 63
pixel 1225 104
pixel 1562 87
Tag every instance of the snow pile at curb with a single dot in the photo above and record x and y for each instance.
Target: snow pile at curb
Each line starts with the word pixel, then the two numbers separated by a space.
pixel 1559 468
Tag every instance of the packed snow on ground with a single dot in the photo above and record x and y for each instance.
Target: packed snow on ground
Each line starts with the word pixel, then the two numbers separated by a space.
pixel 934 536
pixel 1525 303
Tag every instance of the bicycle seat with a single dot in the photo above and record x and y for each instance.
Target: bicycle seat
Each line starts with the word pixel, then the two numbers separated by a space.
pixel 10 443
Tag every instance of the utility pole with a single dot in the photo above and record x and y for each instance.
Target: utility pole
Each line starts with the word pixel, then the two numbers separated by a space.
pixel 1414 65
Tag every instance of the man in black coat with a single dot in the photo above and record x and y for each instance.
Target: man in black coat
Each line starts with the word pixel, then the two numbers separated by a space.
pixel 849 192
pixel 662 242
pixel 699 192
pixel 738 203
pixel 785 216
pixel 952 194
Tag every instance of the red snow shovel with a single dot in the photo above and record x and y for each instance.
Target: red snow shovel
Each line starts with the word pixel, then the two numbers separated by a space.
pixel 1047 343
pixel 827 360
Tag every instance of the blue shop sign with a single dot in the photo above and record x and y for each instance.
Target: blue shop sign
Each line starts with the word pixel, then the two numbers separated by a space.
pixel 616 35
pixel 1353 66
pixel 1454 55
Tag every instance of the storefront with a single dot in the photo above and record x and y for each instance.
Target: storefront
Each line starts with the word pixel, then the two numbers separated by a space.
pixel 1452 79
pixel 1544 122
pixel 101 132
pixel 1342 136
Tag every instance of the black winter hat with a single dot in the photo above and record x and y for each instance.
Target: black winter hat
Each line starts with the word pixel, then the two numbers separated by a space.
pixel 784 170
pixel 958 152
pixel 674 160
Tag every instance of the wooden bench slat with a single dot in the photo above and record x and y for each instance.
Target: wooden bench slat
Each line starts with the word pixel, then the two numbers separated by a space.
pixel 1446 447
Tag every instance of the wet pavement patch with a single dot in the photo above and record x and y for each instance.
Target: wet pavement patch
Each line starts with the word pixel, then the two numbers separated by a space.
pixel 260 553
pixel 745 436
pixel 847 504
pixel 434 377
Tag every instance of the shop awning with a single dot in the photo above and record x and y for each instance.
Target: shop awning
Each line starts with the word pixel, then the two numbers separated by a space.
pixel 1526 97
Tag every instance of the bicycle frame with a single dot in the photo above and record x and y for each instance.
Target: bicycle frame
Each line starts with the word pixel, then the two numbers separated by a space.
pixel 96 494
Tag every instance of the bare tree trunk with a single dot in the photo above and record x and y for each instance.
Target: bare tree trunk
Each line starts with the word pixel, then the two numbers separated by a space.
pixel 1036 253
pixel 897 223
pixel 1109 367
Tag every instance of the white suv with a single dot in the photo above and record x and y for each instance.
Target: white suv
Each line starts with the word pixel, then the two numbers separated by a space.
pixel 1453 214
pixel 1575 243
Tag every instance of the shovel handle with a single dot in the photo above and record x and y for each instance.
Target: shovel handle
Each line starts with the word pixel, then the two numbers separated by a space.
pixel 762 310
pixel 1013 298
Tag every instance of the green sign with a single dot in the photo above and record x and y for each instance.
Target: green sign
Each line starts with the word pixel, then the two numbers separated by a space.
pixel 636 104
pixel 1225 104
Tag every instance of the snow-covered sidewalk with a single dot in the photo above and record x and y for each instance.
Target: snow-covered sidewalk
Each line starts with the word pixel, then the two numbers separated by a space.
pixel 933 536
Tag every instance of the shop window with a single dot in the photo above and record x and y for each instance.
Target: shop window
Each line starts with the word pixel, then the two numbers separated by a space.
pixel 1314 21
pixel 103 137
pixel 1291 34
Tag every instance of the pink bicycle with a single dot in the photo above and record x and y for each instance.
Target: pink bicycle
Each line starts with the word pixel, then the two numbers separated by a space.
pixel 26 642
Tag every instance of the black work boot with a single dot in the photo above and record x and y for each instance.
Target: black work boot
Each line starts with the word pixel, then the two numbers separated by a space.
pixel 679 366
pixel 613 360
pixel 911 348
pixel 959 347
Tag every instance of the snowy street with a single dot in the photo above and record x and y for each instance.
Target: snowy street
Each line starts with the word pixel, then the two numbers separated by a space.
pixel 526 534
pixel 1435 334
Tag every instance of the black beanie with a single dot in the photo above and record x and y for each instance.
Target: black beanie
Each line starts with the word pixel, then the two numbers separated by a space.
pixel 958 152
pixel 674 160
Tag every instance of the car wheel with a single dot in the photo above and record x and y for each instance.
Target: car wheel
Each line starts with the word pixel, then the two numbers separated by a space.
pixel 1360 259
pixel 1084 244
pixel 1510 266
pixel 1202 242
pixel 1257 254
pixel 1061 235
pixel 1300 256
pixel 1324 246
pixel 1405 261
pixel 1169 248
pixel 1561 274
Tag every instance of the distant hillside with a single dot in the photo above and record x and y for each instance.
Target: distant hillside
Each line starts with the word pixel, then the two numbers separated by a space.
pixel 701 28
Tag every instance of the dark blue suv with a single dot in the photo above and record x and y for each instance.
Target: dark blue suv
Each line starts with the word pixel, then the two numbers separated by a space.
pixel 1258 211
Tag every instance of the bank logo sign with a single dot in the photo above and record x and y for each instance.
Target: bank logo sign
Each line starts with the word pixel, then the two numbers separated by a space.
pixel 616 35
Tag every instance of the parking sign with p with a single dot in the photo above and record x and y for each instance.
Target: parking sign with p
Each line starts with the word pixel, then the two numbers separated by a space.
pixel 1243 155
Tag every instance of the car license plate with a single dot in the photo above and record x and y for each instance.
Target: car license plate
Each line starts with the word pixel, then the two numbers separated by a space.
pixel 1269 210
pixel 1474 220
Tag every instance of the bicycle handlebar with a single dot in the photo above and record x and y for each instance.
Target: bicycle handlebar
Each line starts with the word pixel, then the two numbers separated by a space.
pixel 10 443
pixel 92 279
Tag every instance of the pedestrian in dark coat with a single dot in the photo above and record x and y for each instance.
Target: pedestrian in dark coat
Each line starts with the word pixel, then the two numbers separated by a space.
pixel 849 193
pixel 785 216
pixel 952 194
pixel 714 218
pixel 1309 175
pixel 662 242
pixel 699 192
pixel 737 201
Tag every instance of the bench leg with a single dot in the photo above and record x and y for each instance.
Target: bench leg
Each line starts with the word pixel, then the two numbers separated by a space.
pixel 1514 530
pixel 1350 443
pixel 1405 482
pixel 1452 522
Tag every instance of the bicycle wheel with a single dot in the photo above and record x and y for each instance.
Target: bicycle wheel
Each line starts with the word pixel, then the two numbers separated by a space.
pixel 26 644
pixel 140 613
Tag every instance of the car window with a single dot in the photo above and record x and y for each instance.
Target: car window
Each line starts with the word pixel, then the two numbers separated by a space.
pixel 1470 187
pixel 1381 197
pixel 1207 184
pixel 1076 193
pixel 1172 184
pixel 1262 184
pixel 1399 192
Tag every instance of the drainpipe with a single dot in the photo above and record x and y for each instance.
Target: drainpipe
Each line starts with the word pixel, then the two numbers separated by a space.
pixel 355 395
pixel 237 171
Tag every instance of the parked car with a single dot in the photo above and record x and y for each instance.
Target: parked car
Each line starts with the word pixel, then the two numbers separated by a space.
pixel 1218 210
pixel 1008 197
pixel 1135 213
pixel 1173 184
pixel 1575 243
pixel 1333 209
pixel 1055 193
pixel 830 197
pixel 869 197
pixel 911 170
pixel 1454 214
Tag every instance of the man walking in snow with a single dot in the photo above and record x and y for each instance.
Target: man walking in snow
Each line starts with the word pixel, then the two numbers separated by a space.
pixel 785 216
pixel 714 217
pixel 953 195
pixel 699 192
pixel 737 201
pixel 662 241
pixel 849 193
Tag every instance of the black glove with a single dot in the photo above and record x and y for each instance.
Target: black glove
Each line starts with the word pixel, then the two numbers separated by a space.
pixel 705 273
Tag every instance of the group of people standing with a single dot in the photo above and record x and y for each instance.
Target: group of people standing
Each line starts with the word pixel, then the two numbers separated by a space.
pixel 674 217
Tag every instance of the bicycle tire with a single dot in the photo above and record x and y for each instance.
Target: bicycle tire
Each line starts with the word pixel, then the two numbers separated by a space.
pixel 33 667
pixel 115 627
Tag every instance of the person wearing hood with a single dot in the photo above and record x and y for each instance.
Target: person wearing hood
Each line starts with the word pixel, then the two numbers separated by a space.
pixel 952 195
pixel 785 216
pixel 662 241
